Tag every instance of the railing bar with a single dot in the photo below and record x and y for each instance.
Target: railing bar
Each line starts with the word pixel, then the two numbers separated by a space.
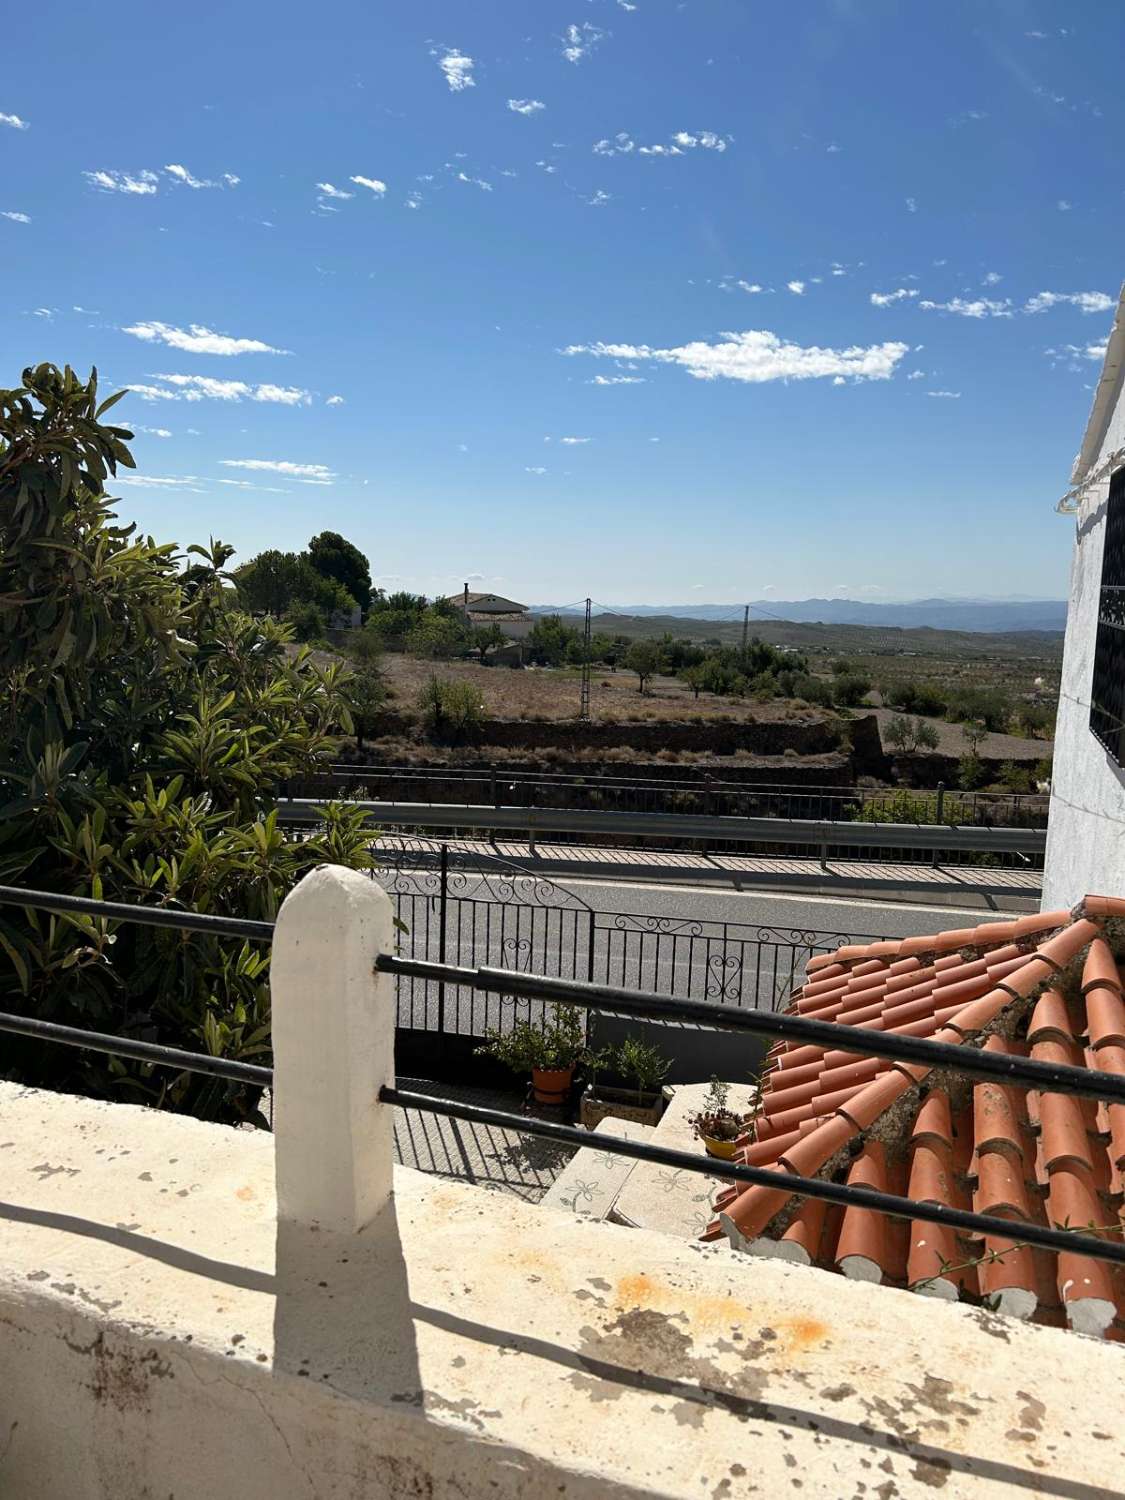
pixel 801 1187
pixel 1054 1078
pixel 151 1052
pixel 147 916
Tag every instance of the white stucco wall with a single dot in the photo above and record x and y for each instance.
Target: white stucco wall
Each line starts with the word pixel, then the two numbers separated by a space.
pixel 1086 832
pixel 160 1338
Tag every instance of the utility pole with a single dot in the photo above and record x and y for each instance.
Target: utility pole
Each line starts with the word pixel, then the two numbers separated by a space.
pixel 745 627
pixel 584 707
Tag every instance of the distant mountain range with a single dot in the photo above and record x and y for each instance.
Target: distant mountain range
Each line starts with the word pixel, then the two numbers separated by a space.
pixel 989 615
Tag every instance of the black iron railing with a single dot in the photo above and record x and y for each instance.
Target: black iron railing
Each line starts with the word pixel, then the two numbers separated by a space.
pixel 970 1062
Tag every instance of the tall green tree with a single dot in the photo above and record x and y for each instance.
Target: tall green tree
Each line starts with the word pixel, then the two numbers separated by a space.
pixel 333 556
pixel 146 731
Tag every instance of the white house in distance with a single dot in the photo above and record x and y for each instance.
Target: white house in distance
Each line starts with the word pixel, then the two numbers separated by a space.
pixel 493 609
pixel 1086 832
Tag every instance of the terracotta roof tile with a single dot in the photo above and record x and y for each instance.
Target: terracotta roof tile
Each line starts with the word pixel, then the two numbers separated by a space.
pixel 1049 986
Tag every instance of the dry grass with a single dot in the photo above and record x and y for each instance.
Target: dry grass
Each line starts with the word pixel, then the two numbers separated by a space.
pixel 546 693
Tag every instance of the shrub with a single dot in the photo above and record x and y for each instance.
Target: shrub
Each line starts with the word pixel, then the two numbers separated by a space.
pixel 915 697
pixel 451 710
pixel 848 689
pixel 911 735
pixel 146 730
pixel 992 707
pixel 305 621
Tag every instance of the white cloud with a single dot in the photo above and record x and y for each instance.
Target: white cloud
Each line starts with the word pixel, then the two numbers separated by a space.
pixel 526 106
pixel 1087 302
pixel 162 482
pixel 599 198
pixel 182 175
pixel 207 388
pixel 1063 206
pixel 198 340
pixel 142 184
pixel 991 278
pixel 458 68
pixel 43 312
pixel 265 489
pixel 796 287
pixel 683 141
pixel 335 401
pixel 377 187
pixel 838 269
pixel 160 432
pixel 917 375
pixel 752 287
pixel 535 469
pixel 617 380
pixel 413 200
pixel 884 299
pixel 912 205
pixel 946 395
pixel 758 355
pixel 16 218
pixel 14 121
pixel 327 190
pixel 573 442
pixel 306 473
pixel 579 41
pixel 1072 354
pixel 485 187
pixel 982 307
pixel 832 148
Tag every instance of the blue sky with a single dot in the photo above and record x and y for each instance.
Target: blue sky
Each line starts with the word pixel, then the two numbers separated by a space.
pixel 816 291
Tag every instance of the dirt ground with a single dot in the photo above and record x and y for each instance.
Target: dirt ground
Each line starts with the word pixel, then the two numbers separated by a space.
pixel 549 693
pixel 952 741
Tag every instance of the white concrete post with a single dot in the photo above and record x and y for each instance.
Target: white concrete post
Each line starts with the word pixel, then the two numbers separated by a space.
pixel 333 1047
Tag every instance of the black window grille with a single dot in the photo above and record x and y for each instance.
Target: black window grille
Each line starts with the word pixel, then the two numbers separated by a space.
pixel 1107 692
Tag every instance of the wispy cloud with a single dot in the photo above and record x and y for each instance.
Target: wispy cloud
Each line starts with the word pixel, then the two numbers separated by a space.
pixel 1064 206
pixel 162 482
pixel 479 182
pixel 885 299
pixel 306 473
pixel 595 200
pixel 679 144
pixel 182 175
pixel 160 432
pixel 617 380
pixel 141 183
pixel 1072 355
pixel 917 375
pixel 14 121
pixel 911 205
pixel 327 190
pixel 198 340
pixel 945 395
pixel 574 442
pixel 526 106
pixel 580 40
pixel 796 287
pixel 757 356
pixel 262 489
pixel 16 218
pixel 981 307
pixel 377 187
pixel 457 68
pixel 534 469
pixel 1087 302
pixel 335 401
pixel 991 278
pixel 208 388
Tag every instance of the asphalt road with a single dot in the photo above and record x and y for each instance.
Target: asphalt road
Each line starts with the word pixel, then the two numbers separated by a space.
pixel 740 948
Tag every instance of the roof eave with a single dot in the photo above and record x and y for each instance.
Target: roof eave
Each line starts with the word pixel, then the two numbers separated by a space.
pixel 1105 396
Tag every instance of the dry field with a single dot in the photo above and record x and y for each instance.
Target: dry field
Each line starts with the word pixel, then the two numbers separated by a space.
pixel 549 693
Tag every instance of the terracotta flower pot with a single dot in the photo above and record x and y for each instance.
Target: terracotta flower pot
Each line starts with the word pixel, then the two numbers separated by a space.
pixel 551 1085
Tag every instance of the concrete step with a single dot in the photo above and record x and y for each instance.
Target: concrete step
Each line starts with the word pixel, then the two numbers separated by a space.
pixel 670 1199
pixel 591 1180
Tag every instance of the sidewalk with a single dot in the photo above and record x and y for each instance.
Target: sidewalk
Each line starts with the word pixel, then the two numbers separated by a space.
pixel 956 885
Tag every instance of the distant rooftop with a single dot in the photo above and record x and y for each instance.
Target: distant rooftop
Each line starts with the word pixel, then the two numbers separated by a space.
pixel 1047 987
pixel 486 603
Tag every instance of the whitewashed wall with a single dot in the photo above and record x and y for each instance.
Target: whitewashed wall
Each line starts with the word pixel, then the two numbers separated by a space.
pixel 1086 833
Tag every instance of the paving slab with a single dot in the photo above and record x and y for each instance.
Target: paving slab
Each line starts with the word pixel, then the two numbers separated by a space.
pixel 590 1182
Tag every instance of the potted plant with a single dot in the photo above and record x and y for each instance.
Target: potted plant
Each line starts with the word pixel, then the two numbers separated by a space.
pixel 548 1051
pixel 715 1125
pixel 637 1069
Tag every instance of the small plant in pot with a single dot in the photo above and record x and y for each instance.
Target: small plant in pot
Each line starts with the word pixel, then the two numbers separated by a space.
pixel 549 1051
pixel 624 1081
pixel 717 1126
